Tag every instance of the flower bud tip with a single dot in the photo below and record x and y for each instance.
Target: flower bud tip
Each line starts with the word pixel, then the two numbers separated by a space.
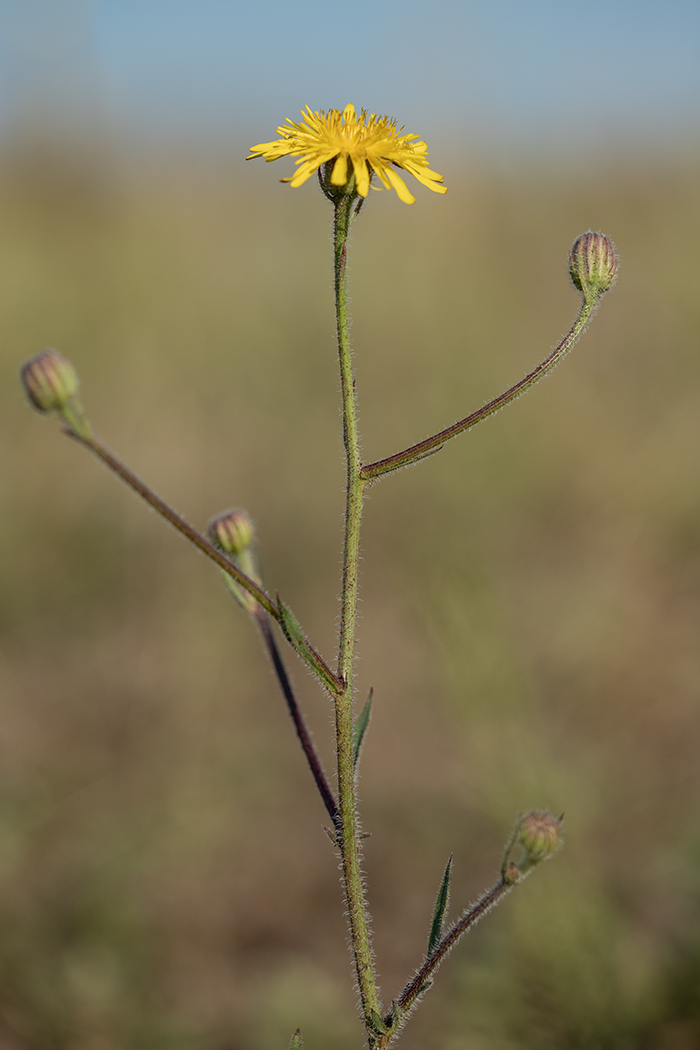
pixel 539 834
pixel 593 264
pixel 51 384
pixel 50 380
pixel 232 532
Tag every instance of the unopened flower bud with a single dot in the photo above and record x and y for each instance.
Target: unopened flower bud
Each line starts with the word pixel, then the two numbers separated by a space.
pixel 51 383
pixel 539 834
pixel 593 264
pixel 50 380
pixel 232 532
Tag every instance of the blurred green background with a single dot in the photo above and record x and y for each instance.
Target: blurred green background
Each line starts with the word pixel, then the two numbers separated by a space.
pixel 530 595
pixel 530 603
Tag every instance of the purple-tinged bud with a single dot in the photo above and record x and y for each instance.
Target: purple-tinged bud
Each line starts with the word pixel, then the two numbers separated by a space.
pixel 232 532
pixel 51 383
pixel 50 380
pixel 536 836
pixel 593 264
pixel 539 834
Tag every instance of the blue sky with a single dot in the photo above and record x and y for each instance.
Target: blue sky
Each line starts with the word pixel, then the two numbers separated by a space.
pixel 530 73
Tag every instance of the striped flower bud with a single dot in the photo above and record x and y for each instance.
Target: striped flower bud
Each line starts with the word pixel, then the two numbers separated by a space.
pixel 593 264
pixel 51 384
pixel 539 834
pixel 50 380
pixel 232 532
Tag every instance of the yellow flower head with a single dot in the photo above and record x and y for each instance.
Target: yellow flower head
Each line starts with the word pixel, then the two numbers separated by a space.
pixel 371 143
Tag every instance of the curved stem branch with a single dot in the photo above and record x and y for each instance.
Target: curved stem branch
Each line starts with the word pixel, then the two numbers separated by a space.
pixel 419 984
pixel 372 471
pixel 487 901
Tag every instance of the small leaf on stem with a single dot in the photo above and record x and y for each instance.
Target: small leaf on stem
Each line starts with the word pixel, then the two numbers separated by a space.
pixel 441 905
pixel 295 636
pixel 290 625
pixel 360 728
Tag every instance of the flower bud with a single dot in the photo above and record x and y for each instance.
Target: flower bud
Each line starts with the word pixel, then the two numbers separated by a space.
pixel 50 380
pixel 536 836
pixel 232 532
pixel 539 834
pixel 593 264
pixel 51 384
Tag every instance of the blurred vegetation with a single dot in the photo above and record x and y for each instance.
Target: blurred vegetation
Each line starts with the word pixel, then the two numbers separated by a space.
pixel 529 623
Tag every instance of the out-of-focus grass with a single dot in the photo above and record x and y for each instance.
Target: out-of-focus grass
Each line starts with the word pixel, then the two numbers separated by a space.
pixel 529 620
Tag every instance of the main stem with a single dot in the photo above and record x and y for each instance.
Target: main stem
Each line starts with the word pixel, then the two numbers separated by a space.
pixel 349 841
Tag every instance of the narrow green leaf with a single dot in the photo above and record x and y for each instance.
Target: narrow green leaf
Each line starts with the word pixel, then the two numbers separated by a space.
pixel 360 728
pixel 295 636
pixel 296 1043
pixel 291 627
pixel 441 904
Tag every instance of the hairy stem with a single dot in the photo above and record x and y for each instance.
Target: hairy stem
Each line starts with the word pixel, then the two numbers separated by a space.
pixel 470 918
pixel 415 988
pixel 349 838
pixel 372 471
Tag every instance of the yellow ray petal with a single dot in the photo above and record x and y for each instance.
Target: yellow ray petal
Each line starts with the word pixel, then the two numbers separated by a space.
pixel 303 172
pixel 361 175
pixel 340 171
pixel 400 186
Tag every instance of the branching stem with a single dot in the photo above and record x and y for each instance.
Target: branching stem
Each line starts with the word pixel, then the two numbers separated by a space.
pixel 487 901
pixel 381 1030
pixel 415 988
pixel 93 443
